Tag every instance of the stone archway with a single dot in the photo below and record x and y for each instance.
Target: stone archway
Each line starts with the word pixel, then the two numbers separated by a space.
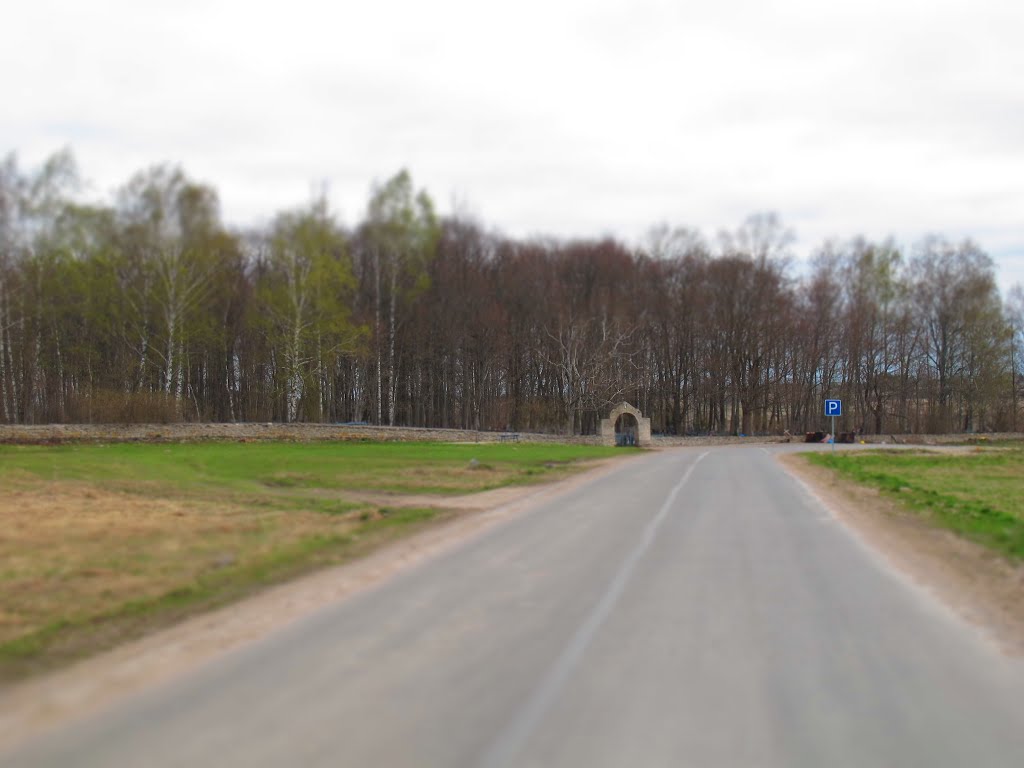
pixel 626 429
pixel 625 425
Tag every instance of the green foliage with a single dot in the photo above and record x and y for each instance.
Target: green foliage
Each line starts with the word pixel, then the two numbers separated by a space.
pixel 305 294
pixel 403 226
pixel 402 221
pixel 978 495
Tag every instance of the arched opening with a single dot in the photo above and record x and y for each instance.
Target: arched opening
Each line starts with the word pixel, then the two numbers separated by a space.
pixel 626 429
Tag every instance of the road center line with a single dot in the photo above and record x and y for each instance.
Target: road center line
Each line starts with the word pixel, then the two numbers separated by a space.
pixel 511 740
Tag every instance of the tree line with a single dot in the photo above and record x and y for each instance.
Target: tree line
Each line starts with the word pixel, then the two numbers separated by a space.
pixel 147 308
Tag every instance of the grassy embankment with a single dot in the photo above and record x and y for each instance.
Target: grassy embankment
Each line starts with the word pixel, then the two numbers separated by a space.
pixel 978 495
pixel 102 543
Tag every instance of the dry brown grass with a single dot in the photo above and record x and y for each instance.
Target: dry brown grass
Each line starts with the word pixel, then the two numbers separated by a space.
pixel 72 551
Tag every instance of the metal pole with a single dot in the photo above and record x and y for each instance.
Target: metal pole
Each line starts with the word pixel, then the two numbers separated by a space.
pixel 833 434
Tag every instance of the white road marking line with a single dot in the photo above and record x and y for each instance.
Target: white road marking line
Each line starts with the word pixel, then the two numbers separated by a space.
pixel 511 740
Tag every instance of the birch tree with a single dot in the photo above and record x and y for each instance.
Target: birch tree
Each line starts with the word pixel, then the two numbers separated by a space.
pixel 402 232
pixel 30 204
pixel 169 229
pixel 305 291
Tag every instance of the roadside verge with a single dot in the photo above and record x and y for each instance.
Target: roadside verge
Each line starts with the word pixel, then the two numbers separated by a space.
pixel 980 585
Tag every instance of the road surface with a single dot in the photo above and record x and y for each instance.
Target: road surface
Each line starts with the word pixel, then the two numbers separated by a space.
pixel 694 608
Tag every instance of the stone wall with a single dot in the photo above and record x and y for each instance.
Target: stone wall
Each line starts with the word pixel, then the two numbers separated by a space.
pixel 60 433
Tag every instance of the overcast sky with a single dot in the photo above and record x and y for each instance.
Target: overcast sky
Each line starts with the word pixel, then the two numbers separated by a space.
pixel 574 119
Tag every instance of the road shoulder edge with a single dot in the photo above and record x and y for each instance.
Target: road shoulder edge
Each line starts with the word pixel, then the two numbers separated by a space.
pixel 980 586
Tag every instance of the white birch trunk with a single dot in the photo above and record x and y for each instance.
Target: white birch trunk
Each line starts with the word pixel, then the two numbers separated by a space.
pixel 297 285
pixel 295 379
pixel 376 264
pixel 60 373
pixel 169 376
pixel 392 383
pixel 4 354
pixel 229 386
pixel 38 380
pixel 143 353
pixel 179 382
pixel 320 378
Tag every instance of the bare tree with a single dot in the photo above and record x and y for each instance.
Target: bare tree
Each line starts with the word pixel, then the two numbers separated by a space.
pixel 1015 321
pixel 954 291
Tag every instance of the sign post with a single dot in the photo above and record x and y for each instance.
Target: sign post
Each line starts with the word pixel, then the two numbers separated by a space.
pixel 833 408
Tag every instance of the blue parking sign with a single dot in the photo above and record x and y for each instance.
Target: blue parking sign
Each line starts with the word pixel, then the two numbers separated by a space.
pixel 833 407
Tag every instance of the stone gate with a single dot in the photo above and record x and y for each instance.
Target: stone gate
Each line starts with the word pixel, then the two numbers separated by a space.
pixel 625 425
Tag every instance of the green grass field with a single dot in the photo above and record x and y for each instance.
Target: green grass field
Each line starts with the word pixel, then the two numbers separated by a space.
pixel 400 467
pixel 102 543
pixel 979 495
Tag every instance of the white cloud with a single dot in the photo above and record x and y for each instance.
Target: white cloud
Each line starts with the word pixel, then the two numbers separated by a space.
pixel 574 118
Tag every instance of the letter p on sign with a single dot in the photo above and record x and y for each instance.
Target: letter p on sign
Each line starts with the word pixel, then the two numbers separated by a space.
pixel 833 407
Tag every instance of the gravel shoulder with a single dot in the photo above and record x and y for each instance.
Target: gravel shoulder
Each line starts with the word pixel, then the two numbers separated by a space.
pixel 982 587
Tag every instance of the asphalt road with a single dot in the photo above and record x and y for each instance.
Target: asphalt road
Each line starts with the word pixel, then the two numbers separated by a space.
pixel 692 609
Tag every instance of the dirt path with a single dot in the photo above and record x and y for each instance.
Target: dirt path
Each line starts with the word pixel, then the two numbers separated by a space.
pixel 981 586
pixel 31 707
pixel 472 502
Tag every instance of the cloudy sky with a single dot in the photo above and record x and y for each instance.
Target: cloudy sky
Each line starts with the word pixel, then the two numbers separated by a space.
pixel 543 117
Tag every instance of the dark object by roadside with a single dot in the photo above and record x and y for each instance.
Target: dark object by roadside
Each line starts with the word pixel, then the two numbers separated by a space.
pixel 821 437
pixel 509 437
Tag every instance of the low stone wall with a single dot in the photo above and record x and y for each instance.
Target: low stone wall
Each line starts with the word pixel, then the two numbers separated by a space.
pixel 103 433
